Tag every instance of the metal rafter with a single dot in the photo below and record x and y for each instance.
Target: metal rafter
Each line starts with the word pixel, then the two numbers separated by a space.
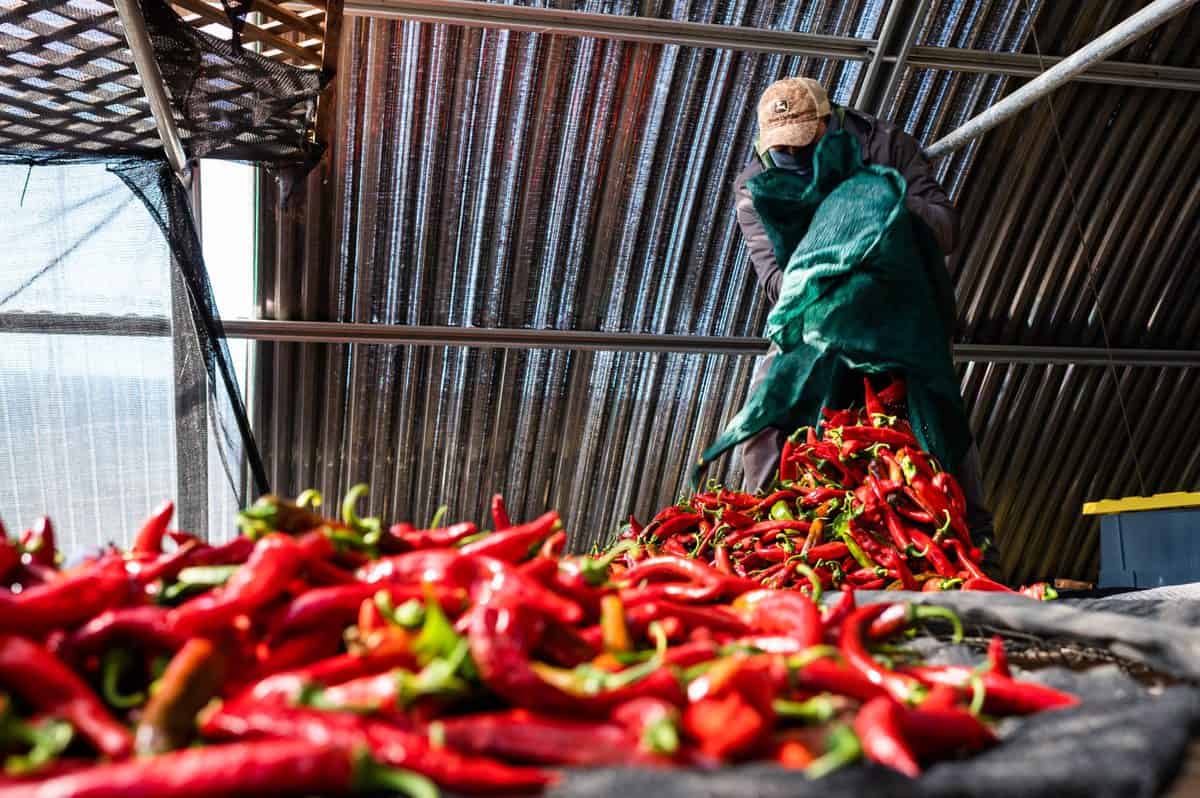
pixel 326 332
pixel 473 13
pixel 153 86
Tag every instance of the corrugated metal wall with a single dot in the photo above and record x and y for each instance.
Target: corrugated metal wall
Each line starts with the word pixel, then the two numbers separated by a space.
pixel 500 179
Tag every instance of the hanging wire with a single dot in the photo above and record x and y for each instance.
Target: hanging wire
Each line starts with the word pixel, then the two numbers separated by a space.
pixel 1090 272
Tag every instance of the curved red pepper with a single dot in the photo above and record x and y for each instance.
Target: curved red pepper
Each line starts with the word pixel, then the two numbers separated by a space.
pixel 933 553
pixel 276 560
pixel 942 731
pixel 884 435
pixel 515 544
pixel 149 538
pixel 500 518
pixel 854 647
pixel 1002 695
pixel 41 678
pixel 38 543
pixel 482 577
pixel 544 739
pixel 338 604
pixel 287 686
pixel 67 601
pixel 878 725
pixel 442 537
pixel 789 613
pixel 145 625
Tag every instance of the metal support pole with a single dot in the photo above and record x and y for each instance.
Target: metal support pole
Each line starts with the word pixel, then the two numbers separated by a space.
pixel 152 85
pixel 893 84
pixel 1098 49
pixel 867 90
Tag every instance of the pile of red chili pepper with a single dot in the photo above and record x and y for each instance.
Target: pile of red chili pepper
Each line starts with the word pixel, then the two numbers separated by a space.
pixel 857 501
pixel 309 655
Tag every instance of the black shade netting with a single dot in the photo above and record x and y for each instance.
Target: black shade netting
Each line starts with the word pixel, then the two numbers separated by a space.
pixel 68 89
pixel 1133 664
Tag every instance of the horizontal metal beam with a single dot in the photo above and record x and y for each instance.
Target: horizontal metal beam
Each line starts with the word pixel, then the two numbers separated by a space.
pixel 473 13
pixel 325 332
pixel 1027 65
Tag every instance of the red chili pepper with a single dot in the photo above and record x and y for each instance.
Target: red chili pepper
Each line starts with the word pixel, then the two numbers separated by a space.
pixel 67 601
pixel 10 557
pixel 788 471
pixel 703 581
pixel 1002 695
pixel 276 560
pixel 894 394
pixel 832 619
pixel 42 679
pixel 639 615
pixel 287 686
pixel 727 727
pixel 442 537
pixel 933 553
pixel 825 675
pixel 916 516
pixel 338 605
pixel 764 505
pixel 500 513
pixel 948 485
pixel 819 496
pixel 878 725
pixel 874 405
pixel 787 613
pixel 828 551
pixel 895 527
pixel 145 625
pixel 517 543
pixel 249 768
pixel 721 559
pixel 531 737
pixel 296 652
pixel 939 732
pixel 964 559
pixel 894 562
pixel 38 543
pixel 482 577
pixel 997 656
pixel 501 635
pixel 853 645
pixel 884 435
pixel 235 552
pixel 150 538
pixel 764 527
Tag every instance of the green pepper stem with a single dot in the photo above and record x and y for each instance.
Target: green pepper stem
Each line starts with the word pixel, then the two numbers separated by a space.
pixel 843 748
pixel 925 612
pixel 595 569
pixel 813 579
pixel 309 498
pixel 438 515
pixel 661 737
pixel 370 776
pixel 816 710
pixel 114 664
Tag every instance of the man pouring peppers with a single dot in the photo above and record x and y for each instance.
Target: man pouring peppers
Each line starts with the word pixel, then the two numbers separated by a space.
pixel 847 229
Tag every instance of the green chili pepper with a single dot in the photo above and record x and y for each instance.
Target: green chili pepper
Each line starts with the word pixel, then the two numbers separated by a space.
pixel 842 748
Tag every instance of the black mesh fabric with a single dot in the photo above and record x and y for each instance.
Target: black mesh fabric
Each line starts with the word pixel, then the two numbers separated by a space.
pixel 1127 739
pixel 68 89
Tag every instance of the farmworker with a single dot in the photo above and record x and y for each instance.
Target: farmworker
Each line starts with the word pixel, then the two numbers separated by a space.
pixel 794 117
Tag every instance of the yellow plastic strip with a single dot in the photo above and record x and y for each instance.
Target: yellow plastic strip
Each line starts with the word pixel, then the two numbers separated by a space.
pixel 1136 504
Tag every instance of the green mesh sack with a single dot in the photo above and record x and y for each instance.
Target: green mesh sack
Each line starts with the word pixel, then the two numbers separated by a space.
pixel 863 291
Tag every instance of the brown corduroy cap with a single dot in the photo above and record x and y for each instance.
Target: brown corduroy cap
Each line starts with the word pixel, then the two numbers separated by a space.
pixel 789 113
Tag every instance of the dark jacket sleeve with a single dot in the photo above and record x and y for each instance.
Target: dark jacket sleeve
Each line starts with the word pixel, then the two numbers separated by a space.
pixel 891 146
pixel 762 252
